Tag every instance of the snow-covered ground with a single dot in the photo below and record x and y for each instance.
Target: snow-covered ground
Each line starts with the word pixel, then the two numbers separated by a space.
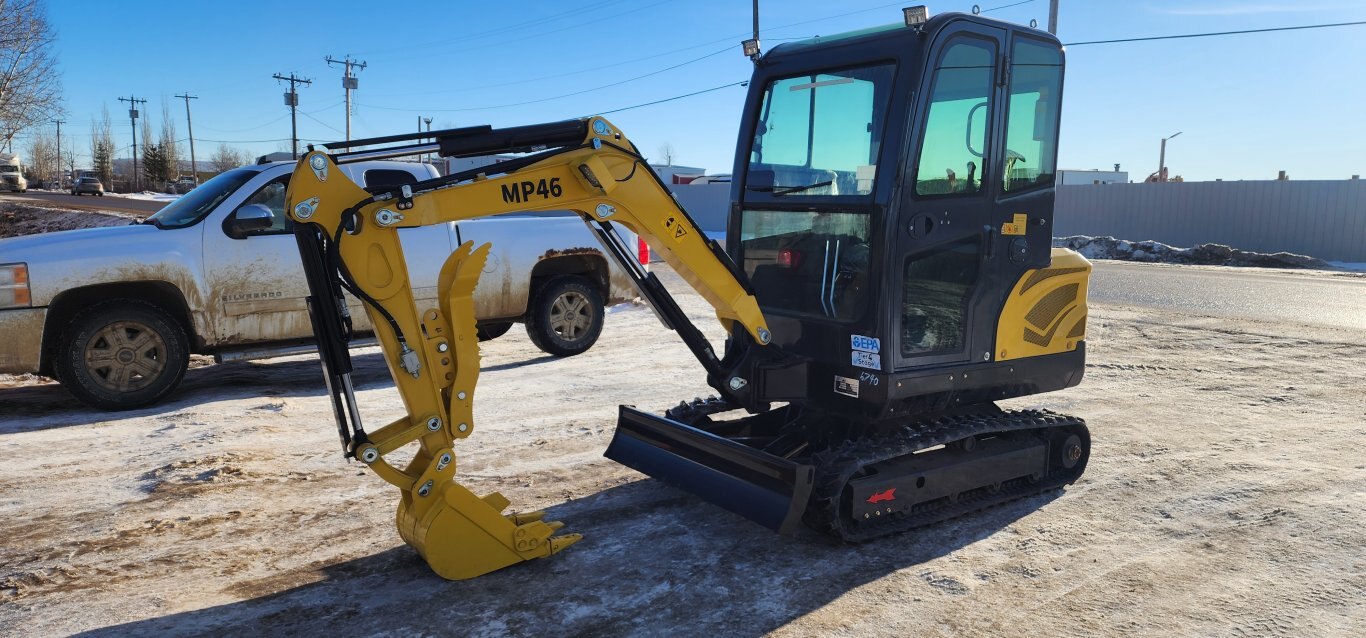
pixel 1223 497
pixel 147 195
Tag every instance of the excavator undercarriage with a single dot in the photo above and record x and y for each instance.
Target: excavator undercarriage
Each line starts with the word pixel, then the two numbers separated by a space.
pixel 888 278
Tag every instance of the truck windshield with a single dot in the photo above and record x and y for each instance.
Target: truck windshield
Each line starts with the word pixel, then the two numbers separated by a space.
pixel 8 168
pixel 193 206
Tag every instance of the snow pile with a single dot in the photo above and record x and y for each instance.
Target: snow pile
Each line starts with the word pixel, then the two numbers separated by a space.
pixel 1203 254
pixel 148 196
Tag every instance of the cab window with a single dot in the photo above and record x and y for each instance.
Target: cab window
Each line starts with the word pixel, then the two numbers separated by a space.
pixel 819 134
pixel 953 145
pixel 1032 115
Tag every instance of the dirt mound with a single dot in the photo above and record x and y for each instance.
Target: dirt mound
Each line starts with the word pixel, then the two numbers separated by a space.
pixel 23 219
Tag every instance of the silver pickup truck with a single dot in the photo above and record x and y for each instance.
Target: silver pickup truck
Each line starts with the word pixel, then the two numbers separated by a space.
pixel 114 313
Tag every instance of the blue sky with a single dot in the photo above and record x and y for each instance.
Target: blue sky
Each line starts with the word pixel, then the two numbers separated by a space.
pixel 1247 105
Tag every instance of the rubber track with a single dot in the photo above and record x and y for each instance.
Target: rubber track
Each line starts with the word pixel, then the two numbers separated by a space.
pixel 835 467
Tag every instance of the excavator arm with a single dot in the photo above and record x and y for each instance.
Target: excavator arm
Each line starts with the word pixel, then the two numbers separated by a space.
pixel 348 240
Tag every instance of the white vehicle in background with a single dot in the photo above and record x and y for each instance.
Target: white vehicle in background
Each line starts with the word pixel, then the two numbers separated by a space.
pixel 114 313
pixel 12 173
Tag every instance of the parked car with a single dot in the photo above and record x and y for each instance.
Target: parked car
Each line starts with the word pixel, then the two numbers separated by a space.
pixel 114 313
pixel 182 185
pixel 88 186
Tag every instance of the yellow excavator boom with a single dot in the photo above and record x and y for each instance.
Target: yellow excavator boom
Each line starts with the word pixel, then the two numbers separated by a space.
pixel 432 353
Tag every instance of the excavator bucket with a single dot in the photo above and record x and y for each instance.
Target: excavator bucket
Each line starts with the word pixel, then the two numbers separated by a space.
pixel 767 489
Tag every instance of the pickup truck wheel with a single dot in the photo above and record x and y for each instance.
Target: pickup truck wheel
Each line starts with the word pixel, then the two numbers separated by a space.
pixel 565 317
pixel 491 331
pixel 120 355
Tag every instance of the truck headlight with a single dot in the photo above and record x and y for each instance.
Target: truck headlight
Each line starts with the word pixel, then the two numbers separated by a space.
pixel 14 286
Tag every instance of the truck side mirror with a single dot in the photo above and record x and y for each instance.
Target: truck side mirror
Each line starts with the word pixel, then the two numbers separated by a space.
pixel 247 219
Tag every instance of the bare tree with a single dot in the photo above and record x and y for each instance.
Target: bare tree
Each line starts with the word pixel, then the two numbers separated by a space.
pixel 68 166
pixel 102 148
pixel 227 158
pixel 170 147
pixel 41 164
pixel 30 91
pixel 666 153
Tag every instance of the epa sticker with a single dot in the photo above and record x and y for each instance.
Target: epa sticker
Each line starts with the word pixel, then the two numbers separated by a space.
pixel 866 344
pixel 866 360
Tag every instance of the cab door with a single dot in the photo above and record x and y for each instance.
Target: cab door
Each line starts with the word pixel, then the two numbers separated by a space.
pixel 945 255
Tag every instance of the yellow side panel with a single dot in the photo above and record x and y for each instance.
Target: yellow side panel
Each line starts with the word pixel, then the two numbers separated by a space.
pixel 1046 311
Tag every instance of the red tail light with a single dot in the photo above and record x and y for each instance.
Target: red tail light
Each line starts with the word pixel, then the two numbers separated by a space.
pixel 643 250
pixel 788 258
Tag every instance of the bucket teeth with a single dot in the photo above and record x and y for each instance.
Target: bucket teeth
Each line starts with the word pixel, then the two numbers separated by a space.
pixel 528 517
pixel 558 543
pixel 463 536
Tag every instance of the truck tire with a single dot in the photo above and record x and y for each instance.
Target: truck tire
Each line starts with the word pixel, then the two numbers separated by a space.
pixel 491 331
pixel 122 354
pixel 565 317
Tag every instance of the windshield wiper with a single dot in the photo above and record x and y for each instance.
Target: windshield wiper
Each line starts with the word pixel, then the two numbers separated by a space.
pixel 784 190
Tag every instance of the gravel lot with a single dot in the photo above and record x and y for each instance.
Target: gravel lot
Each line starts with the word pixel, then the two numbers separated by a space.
pixel 1226 496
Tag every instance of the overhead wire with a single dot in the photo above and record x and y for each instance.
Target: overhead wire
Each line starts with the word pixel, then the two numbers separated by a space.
pixel 676 97
pixel 1215 33
pixel 553 97
pixel 1006 6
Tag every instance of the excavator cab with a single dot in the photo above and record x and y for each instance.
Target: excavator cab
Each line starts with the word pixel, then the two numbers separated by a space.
pixel 891 208
pixel 891 186
pixel 887 277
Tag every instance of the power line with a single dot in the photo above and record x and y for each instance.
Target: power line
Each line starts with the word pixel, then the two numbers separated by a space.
pixel 205 139
pixel 1205 35
pixel 595 21
pixel 676 97
pixel 541 19
pixel 339 132
pixel 553 97
pixel 1005 6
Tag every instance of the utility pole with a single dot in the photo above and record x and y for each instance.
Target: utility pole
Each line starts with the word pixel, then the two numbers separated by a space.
pixel 1053 17
pixel 349 83
pixel 59 124
pixel 292 101
pixel 1162 158
pixel 133 103
pixel 194 170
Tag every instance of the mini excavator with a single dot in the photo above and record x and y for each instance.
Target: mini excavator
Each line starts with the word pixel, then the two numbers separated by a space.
pixel 887 277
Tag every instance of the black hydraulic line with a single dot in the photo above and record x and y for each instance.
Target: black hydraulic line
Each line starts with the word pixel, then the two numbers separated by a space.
pixel 428 185
pixel 405 137
pixel 329 329
pixel 515 139
pixel 349 282
pixel 478 140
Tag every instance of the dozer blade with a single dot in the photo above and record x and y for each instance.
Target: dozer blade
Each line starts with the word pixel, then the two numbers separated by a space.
pixel 764 488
